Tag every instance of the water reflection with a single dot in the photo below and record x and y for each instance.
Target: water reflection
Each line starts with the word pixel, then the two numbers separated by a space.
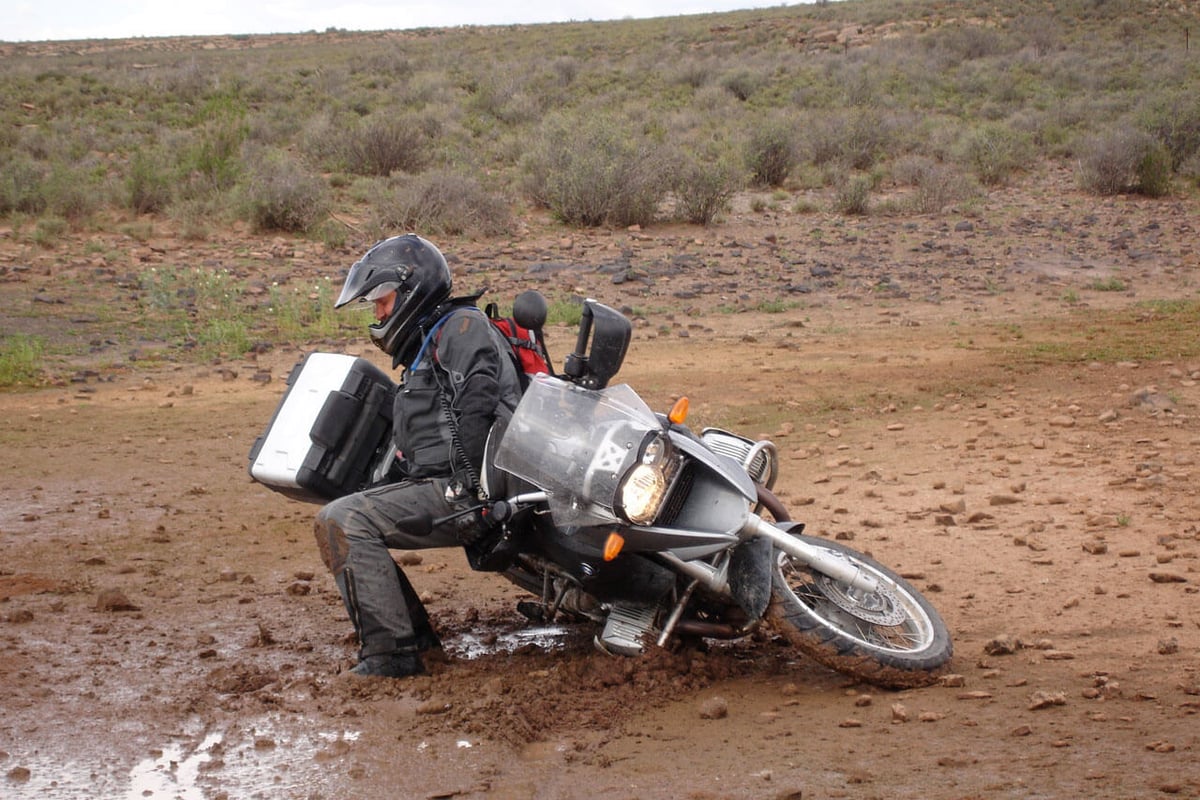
pixel 233 763
pixel 172 774
pixel 474 645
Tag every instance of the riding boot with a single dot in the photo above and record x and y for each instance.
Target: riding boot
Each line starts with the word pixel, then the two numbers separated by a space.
pixel 382 657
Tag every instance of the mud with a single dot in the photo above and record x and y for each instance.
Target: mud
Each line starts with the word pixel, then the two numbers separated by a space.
pixel 167 630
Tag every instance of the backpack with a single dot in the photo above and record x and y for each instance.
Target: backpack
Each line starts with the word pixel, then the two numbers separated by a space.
pixel 528 348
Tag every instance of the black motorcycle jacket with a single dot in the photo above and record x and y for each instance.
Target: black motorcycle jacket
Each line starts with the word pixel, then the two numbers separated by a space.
pixel 462 381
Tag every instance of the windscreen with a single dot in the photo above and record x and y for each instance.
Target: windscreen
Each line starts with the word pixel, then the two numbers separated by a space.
pixel 575 444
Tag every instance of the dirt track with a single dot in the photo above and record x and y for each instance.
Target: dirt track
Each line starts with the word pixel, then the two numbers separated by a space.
pixel 166 629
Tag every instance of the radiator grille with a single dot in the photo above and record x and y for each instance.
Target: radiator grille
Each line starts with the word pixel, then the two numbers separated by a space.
pixel 678 496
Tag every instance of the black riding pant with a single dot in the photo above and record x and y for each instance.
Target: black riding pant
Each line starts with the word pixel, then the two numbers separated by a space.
pixel 354 534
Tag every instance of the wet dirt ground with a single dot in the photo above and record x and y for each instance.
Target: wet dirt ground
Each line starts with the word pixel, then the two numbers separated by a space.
pixel 167 630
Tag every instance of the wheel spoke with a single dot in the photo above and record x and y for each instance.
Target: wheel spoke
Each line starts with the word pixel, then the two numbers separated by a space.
pixel 890 621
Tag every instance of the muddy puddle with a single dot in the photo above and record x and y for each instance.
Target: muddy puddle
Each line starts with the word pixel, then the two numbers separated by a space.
pixel 470 645
pixel 280 757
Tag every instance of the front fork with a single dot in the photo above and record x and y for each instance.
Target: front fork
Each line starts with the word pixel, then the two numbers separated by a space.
pixel 818 559
pixel 829 564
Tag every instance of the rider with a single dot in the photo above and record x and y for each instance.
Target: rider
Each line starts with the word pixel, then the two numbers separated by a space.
pixel 458 381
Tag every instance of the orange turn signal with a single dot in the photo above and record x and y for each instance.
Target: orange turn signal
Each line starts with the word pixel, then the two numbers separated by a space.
pixel 613 545
pixel 679 411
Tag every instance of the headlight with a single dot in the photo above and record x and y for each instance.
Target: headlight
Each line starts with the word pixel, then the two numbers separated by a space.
pixel 644 488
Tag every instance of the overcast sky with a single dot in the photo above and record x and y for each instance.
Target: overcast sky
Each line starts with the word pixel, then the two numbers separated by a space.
pixel 39 20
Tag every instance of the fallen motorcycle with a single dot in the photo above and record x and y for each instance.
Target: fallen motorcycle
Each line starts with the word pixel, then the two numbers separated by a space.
pixel 605 510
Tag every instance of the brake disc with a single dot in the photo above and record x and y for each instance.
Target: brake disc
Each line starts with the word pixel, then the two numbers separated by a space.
pixel 880 607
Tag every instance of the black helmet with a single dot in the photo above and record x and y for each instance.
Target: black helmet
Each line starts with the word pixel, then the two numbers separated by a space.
pixel 417 272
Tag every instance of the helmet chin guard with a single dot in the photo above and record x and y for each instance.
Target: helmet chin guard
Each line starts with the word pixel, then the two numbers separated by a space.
pixel 417 271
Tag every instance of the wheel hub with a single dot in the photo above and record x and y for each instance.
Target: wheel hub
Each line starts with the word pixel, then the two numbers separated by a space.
pixel 880 607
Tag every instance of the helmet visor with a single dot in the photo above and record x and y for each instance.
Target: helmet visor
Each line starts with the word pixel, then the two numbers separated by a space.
pixel 369 282
pixel 381 291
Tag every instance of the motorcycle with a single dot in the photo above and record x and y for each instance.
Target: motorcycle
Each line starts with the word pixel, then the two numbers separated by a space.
pixel 605 510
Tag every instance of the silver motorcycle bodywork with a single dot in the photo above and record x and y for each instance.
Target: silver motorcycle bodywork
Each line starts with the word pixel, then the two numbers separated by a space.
pixel 580 445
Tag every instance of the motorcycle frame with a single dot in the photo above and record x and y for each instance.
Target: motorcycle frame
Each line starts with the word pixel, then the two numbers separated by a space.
pixel 716 577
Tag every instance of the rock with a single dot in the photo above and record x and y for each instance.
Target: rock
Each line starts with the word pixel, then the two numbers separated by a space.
pixel 114 600
pixel 1168 647
pixel 1061 421
pixel 1002 646
pixel 19 774
pixel 899 713
pixel 714 708
pixel 1167 577
pixel 1003 500
pixel 1041 700
pixel 1150 399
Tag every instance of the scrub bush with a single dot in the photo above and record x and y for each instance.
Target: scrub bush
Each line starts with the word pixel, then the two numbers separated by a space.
pixel 595 171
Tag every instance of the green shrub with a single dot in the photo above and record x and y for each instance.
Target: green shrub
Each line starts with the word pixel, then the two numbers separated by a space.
pixel 22 185
pixel 213 161
pixel 74 192
pixel 381 146
pixel 1041 33
pixel 49 230
pixel 299 313
pixel 704 186
pixel 20 360
pixel 280 195
pixel 953 44
pixel 149 183
pixel 1173 118
pixel 742 83
pixel 224 336
pixel 994 152
pixel 854 196
pixel 596 170
pixel 444 203
pixel 935 184
pixel 772 152
pixel 855 138
pixel 694 73
pixel 1124 159
pixel 1154 171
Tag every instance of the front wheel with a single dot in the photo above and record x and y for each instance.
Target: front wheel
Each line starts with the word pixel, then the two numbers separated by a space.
pixel 893 637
